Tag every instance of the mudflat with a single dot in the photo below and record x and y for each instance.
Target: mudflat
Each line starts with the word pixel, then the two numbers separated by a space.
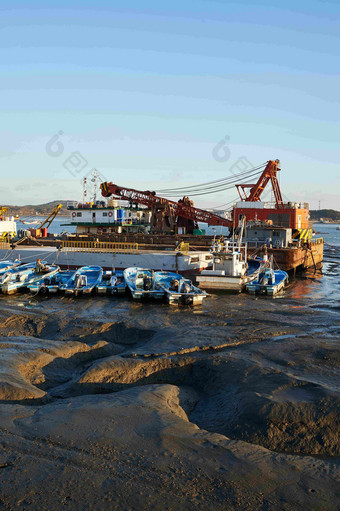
pixel 110 404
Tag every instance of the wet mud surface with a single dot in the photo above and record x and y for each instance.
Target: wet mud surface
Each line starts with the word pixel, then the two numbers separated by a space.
pixel 110 404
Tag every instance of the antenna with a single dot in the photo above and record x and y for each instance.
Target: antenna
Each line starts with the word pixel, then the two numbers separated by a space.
pixel 94 181
pixel 84 189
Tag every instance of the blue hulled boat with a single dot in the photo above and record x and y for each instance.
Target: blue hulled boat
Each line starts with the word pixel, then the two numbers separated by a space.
pixel 51 284
pixel 268 282
pixel 83 281
pixel 112 282
pixel 8 265
pixel 21 276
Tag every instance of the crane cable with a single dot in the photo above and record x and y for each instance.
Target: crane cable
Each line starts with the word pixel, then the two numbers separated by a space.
pixel 211 189
pixel 225 180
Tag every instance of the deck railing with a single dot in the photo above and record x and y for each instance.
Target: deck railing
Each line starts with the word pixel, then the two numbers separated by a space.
pixel 317 241
pixel 101 247
pixel 4 245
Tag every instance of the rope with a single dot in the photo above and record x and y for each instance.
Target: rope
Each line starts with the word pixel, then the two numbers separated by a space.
pixel 37 256
pixel 332 246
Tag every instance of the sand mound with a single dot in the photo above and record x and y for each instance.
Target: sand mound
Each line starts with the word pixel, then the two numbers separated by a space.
pixel 22 363
pixel 234 397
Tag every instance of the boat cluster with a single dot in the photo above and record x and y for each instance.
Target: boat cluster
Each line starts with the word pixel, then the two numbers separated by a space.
pixel 139 282
pixel 231 271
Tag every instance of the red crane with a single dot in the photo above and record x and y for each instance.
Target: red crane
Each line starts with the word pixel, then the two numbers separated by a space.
pixel 269 173
pixel 165 213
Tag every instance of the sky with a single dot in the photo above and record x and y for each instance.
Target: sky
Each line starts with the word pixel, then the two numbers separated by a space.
pixel 165 94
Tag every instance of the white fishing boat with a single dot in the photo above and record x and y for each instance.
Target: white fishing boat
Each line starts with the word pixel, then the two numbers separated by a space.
pixel 231 270
pixel 112 283
pixel 178 289
pixel 142 283
pixel 83 281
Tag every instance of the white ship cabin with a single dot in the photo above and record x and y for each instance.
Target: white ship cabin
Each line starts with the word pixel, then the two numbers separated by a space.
pixel 259 234
pixel 8 227
pixel 108 217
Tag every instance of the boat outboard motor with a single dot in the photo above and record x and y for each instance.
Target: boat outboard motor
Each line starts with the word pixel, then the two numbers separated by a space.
pixel 53 280
pixel 187 299
pixel 263 279
pixel 186 287
pixel 46 281
pixel 5 278
pixel 147 283
pixel 271 278
pixel 77 281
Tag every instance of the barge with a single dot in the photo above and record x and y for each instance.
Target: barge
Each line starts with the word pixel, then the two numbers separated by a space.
pixel 73 255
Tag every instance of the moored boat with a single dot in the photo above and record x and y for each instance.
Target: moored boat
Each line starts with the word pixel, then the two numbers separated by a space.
pixel 24 275
pixel 83 281
pixel 268 282
pixel 18 274
pixel 112 282
pixel 8 265
pixel 178 289
pixel 142 283
pixel 50 284
pixel 231 270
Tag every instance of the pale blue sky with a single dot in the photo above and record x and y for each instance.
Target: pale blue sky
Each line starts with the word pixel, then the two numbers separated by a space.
pixel 145 91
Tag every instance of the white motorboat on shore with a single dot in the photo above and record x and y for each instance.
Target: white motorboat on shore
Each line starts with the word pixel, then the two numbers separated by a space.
pixel 112 283
pixel 178 289
pixel 231 269
pixel 142 284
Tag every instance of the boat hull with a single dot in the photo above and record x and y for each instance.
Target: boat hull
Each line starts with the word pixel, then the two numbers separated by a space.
pixel 256 287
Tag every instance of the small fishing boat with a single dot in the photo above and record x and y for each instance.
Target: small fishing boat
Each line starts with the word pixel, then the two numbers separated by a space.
pixel 52 283
pixel 231 269
pixel 112 283
pixel 142 284
pixel 268 282
pixel 17 274
pixel 24 275
pixel 30 222
pixel 178 289
pixel 83 281
pixel 8 265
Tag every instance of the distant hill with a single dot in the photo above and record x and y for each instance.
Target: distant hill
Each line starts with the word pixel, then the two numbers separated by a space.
pixel 330 214
pixel 38 209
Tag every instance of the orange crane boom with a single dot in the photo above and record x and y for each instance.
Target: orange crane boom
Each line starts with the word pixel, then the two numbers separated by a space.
pixel 182 208
pixel 269 173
